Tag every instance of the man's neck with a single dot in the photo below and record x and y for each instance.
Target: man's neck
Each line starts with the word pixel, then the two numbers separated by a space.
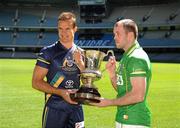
pixel 67 44
pixel 128 45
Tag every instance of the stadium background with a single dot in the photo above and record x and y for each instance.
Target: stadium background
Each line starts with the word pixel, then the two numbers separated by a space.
pixel 28 25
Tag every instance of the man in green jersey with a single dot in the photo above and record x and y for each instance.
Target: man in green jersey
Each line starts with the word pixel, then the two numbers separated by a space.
pixel 131 79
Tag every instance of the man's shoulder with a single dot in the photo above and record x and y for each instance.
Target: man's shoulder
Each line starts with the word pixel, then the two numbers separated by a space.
pixel 139 54
pixel 50 49
pixel 139 58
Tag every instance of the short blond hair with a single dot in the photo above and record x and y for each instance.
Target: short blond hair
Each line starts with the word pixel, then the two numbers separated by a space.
pixel 65 16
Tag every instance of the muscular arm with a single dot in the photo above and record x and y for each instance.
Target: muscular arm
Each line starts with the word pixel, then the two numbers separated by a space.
pixel 41 85
pixel 136 95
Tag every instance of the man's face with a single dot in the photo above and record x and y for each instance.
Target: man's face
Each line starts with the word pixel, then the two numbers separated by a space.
pixel 66 31
pixel 120 36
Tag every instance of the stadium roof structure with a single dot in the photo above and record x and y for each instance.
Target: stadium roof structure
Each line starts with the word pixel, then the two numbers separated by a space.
pixel 142 2
pixel 57 2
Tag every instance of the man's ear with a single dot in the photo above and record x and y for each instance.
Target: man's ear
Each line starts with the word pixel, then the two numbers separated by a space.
pixel 130 36
pixel 75 29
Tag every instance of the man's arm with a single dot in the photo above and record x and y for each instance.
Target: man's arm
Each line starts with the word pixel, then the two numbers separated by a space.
pixel 111 68
pixel 114 81
pixel 38 80
pixel 41 85
pixel 136 95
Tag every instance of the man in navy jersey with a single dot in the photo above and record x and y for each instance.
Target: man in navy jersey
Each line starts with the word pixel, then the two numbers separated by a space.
pixel 61 64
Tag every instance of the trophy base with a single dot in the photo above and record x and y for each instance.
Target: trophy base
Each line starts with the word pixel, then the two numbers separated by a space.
pixel 86 95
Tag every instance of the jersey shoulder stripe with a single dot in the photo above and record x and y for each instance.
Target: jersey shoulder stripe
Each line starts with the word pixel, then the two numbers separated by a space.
pixel 138 72
pixel 43 60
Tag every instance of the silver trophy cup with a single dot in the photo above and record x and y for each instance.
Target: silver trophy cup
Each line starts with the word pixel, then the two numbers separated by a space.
pixel 88 92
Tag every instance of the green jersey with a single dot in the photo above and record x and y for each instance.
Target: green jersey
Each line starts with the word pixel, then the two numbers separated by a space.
pixel 134 63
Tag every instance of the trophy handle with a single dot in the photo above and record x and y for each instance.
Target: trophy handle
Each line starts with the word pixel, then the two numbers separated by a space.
pixel 109 51
pixel 112 53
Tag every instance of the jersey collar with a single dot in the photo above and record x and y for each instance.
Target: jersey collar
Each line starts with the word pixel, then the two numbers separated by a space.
pixel 62 46
pixel 132 48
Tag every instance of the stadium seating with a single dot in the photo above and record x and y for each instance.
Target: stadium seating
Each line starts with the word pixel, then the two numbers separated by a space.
pixel 48 38
pixel 6 38
pixel 27 39
pixel 157 19
pixel 6 18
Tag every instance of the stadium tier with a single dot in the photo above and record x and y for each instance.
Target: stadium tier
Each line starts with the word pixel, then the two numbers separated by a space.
pixel 153 20
pixel 34 26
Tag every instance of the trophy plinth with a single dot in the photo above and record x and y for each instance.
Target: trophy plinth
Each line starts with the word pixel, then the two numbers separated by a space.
pixel 86 95
pixel 88 92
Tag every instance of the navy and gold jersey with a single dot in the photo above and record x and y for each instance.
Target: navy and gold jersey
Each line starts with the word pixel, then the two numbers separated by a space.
pixel 62 71
pixel 64 74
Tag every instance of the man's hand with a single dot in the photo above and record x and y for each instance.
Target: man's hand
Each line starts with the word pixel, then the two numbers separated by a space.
pixel 77 55
pixel 78 58
pixel 65 94
pixel 103 103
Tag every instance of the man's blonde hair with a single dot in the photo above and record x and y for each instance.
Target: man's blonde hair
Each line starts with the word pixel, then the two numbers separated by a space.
pixel 65 16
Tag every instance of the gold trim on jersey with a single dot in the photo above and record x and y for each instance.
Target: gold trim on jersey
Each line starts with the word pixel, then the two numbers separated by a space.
pixel 132 48
pixel 42 60
pixel 138 72
pixel 45 118
pixel 58 82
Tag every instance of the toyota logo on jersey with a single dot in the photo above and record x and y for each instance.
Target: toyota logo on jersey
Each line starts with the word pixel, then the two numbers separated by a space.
pixel 69 84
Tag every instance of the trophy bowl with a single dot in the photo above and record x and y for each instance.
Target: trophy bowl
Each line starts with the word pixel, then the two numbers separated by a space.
pixel 88 92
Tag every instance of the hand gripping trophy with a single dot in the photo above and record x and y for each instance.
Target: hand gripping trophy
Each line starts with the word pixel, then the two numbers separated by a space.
pixel 88 92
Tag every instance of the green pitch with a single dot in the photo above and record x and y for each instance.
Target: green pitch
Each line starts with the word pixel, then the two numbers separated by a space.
pixel 21 106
